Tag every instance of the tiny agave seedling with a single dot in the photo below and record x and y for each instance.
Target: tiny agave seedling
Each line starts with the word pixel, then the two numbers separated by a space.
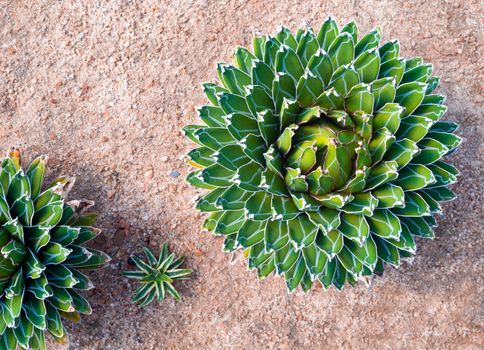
pixel 156 276
pixel 41 238
pixel 322 153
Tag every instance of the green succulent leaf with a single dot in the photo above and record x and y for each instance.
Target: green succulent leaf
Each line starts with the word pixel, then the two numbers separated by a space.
pixel 302 231
pixel 315 260
pixel 285 258
pixel 366 253
pixel 283 88
pixel 414 177
pixel 211 90
pixel 389 196
pixel 251 233
pixel 285 37
pixel 410 95
pixel 212 116
pixel 392 68
pixel 262 75
pixel 359 98
pixel 384 223
pixel 342 50
pixel 367 65
pixel 389 117
pixel 354 227
pixel 415 205
pixel 308 89
pixel 387 252
pixel 369 41
pixel 328 32
pixel 307 47
pixel 320 65
pixel 287 62
pixel 243 59
pixel 344 78
pixel 389 50
pixel 233 79
pixel 259 206
pixel 330 243
pixel 330 100
pixel 363 203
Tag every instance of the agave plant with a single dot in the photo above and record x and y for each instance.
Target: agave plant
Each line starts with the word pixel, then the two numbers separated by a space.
pixel 322 153
pixel 41 238
pixel 156 276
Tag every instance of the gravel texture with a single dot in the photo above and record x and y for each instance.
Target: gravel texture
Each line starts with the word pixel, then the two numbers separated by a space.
pixel 104 87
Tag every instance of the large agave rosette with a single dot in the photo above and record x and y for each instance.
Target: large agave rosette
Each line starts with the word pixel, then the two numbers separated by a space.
pixel 42 253
pixel 322 153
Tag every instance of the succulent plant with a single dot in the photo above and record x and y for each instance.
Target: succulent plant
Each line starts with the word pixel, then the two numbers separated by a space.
pixel 156 276
pixel 41 245
pixel 322 153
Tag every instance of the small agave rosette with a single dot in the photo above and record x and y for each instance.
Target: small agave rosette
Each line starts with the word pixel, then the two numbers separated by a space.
pixel 322 153
pixel 156 276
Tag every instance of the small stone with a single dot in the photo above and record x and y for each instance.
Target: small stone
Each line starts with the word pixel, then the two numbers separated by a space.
pixel 149 174
pixel 174 173
pixel 85 89
pixel 148 177
pixel 111 194
pixel 119 238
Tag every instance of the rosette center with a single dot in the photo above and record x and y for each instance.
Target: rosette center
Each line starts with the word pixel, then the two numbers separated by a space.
pixel 325 154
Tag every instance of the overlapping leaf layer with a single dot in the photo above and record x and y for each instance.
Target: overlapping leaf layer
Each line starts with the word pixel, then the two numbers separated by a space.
pixel 41 246
pixel 322 153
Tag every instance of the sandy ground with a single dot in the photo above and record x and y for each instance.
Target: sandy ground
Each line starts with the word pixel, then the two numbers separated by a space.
pixel 104 87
